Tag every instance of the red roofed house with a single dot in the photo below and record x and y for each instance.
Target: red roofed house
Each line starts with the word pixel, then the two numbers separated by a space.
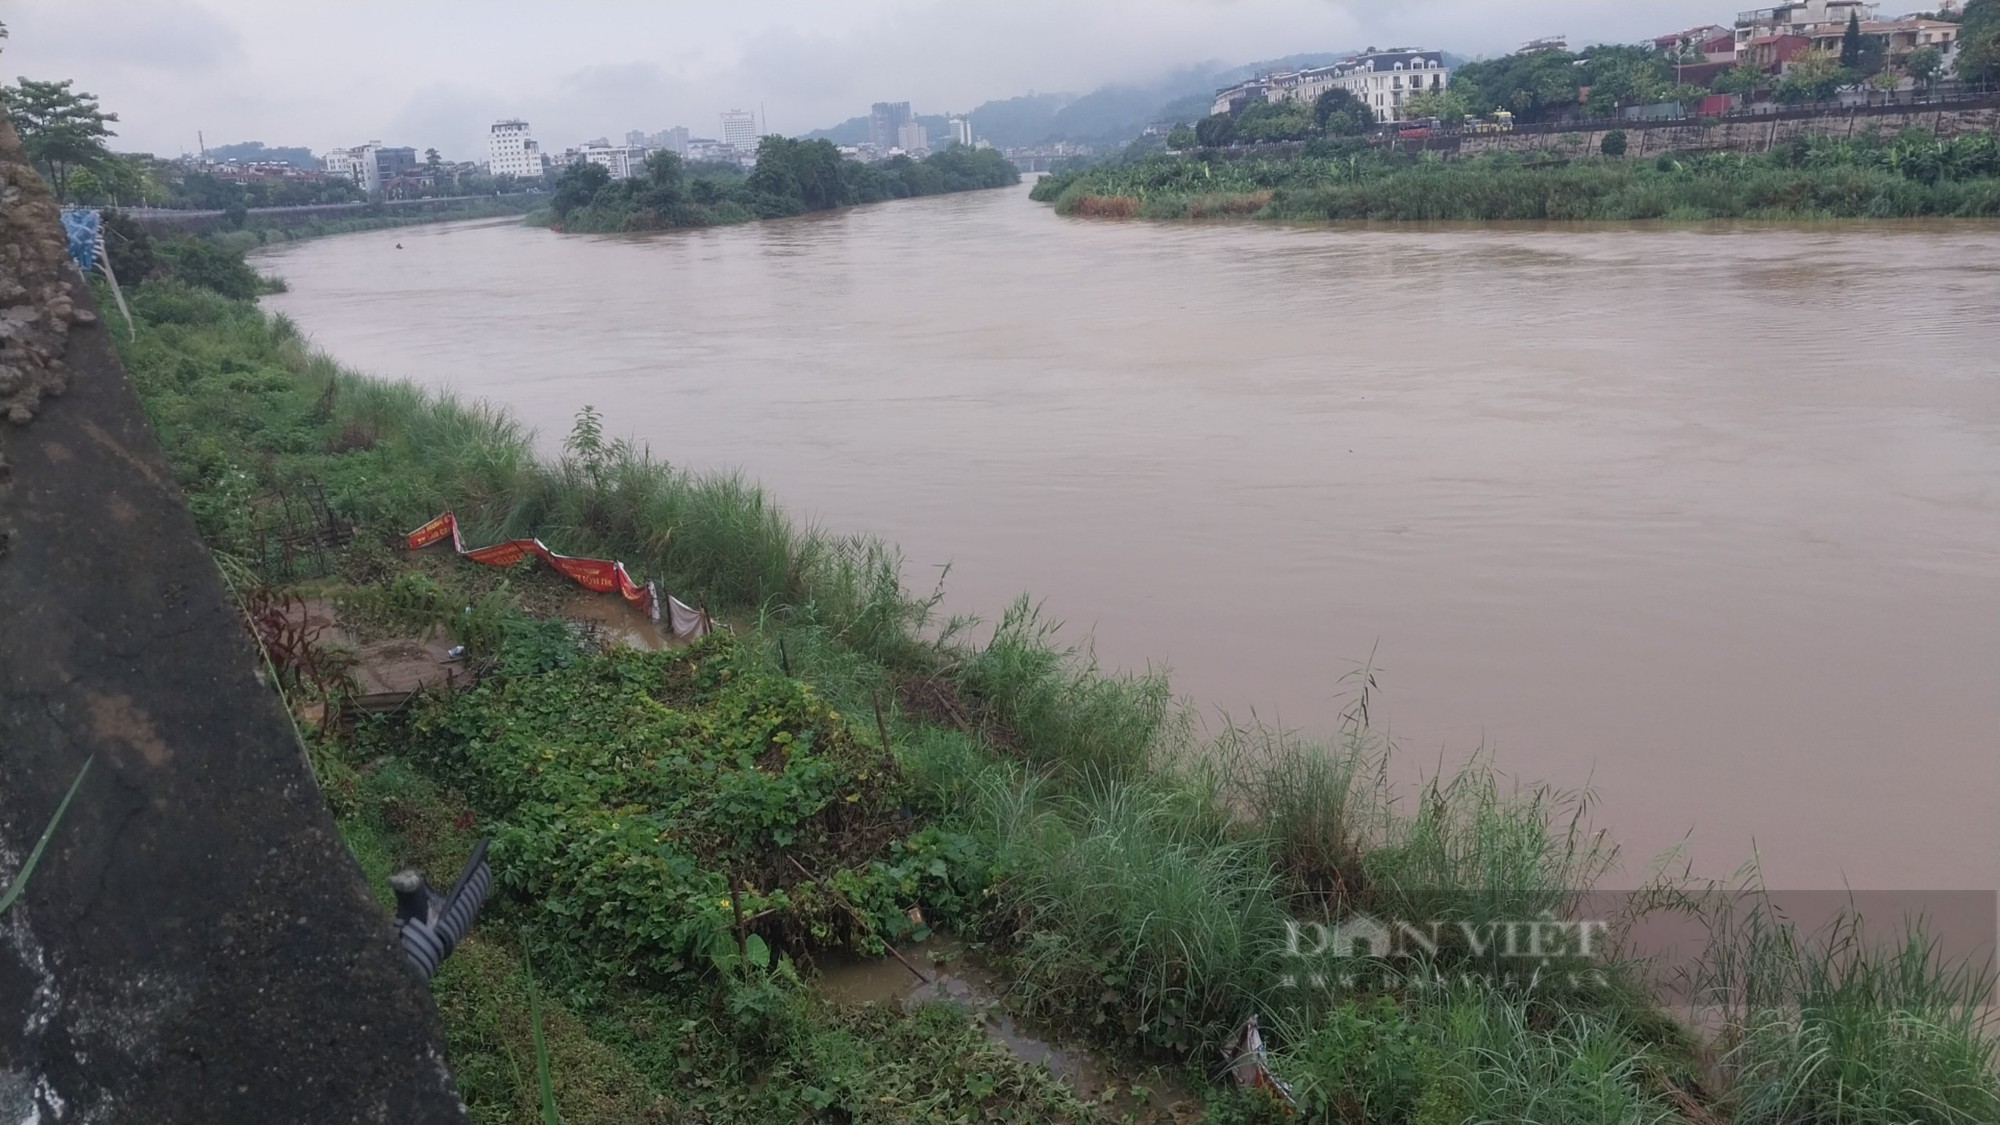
pixel 1715 42
pixel 1773 53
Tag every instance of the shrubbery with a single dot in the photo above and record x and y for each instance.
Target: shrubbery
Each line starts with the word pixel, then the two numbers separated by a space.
pixel 1911 174
pixel 791 177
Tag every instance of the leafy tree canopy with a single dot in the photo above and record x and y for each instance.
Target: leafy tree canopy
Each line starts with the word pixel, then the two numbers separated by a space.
pixel 1341 114
pixel 61 129
pixel 1979 42
pixel 1812 77
pixel 1448 105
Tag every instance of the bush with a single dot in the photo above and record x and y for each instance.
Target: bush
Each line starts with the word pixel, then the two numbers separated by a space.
pixel 631 790
pixel 1613 143
pixel 199 262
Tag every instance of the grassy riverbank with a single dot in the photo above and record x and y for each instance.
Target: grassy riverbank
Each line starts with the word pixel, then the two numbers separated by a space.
pixel 1868 177
pixel 1136 878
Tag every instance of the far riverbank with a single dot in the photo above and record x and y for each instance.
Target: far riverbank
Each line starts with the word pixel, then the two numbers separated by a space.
pixel 1869 176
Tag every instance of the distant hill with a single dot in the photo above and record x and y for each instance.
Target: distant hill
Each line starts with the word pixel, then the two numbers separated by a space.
pixel 1108 115
pixel 255 152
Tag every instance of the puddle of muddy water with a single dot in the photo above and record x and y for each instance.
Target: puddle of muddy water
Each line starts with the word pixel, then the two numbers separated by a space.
pixel 959 975
pixel 618 620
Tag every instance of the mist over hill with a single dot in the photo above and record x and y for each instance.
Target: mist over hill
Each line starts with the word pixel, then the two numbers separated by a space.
pixel 1111 114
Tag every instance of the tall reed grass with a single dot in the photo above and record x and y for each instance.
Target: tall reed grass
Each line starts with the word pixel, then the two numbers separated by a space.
pixel 1846 1024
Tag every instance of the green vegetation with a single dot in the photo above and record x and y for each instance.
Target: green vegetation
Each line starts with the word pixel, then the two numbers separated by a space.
pixel 1979 42
pixel 791 177
pixel 1911 174
pixel 682 836
pixel 62 130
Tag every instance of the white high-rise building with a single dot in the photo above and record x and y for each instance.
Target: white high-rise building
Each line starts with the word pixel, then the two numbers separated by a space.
pixel 371 165
pixel 739 129
pixel 622 161
pixel 913 138
pixel 961 131
pixel 510 151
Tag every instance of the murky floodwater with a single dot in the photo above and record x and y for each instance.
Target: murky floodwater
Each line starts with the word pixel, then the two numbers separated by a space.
pixel 1703 518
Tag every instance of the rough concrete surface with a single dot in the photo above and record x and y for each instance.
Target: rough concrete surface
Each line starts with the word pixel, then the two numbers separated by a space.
pixel 196 945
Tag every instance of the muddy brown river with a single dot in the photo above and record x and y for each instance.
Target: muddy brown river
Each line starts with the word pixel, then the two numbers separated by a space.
pixel 1702 518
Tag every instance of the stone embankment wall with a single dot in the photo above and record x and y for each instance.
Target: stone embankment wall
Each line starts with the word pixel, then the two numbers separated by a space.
pixel 1748 134
pixel 38 299
pixel 196 945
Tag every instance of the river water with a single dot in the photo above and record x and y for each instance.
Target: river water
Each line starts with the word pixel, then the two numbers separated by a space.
pixel 1702 518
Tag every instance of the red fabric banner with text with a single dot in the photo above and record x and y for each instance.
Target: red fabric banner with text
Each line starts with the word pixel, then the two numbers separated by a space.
pixel 601 575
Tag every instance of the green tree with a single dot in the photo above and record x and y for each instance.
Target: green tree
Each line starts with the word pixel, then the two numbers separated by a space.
pixel 432 161
pixel 577 187
pixel 117 181
pixel 1613 143
pixel 1268 122
pixel 1979 42
pixel 1623 79
pixel 1850 43
pixel 1924 65
pixel 1447 105
pixel 1338 113
pixel 1812 77
pixel 1216 130
pixel 1743 79
pixel 61 130
pixel 1533 85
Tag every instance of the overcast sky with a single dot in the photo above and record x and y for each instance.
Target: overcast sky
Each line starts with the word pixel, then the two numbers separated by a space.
pixel 437 72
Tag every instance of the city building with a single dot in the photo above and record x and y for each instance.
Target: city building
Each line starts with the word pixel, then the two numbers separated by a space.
pixel 345 162
pixel 1712 43
pixel 511 151
pixel 1382 80
pixel 707 148
pixel 913 138
pixel 1773 53
pixel 673 140
pixel 885 123
pixel 739 129
pixel 622 161
pixel 370 165
pixel 1232 99
pixel 961 130
pixel 1800 17
pixel 1899 37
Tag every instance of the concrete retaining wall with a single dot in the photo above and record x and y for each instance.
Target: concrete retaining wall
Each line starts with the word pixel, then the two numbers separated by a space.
pixel 197 945
pixel 1748 134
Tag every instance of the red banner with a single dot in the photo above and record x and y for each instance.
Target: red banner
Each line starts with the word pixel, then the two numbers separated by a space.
pixel 601 575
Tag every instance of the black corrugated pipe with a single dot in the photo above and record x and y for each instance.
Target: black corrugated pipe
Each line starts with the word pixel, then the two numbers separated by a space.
pixel 432 924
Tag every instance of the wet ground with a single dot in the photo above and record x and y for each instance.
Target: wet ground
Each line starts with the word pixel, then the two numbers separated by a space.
pixel 959 974
pixel 618 620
